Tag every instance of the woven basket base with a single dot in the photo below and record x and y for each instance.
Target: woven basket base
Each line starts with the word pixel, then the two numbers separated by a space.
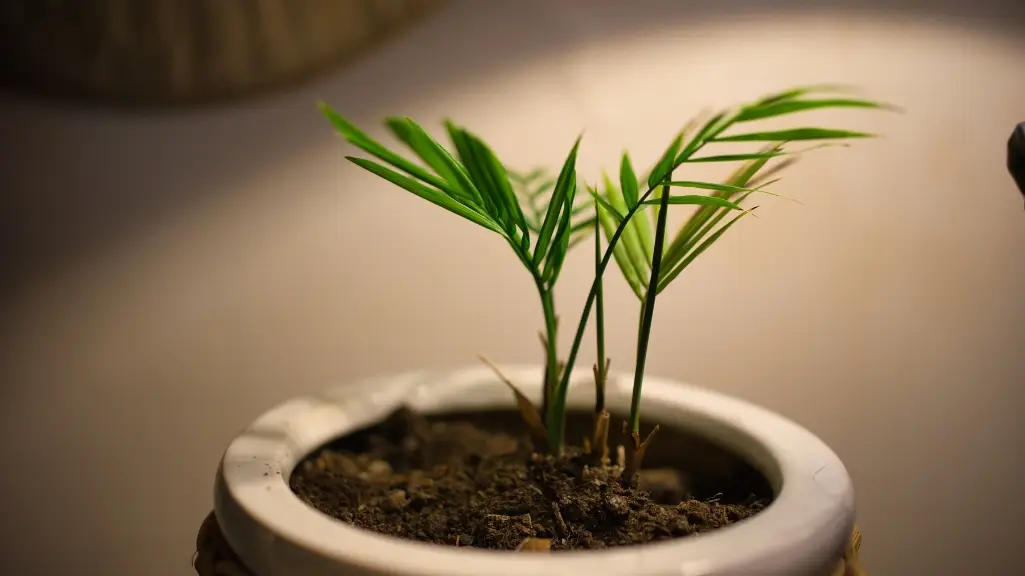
pixel 214 557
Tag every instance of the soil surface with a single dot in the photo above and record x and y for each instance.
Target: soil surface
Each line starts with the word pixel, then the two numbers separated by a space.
pixel 460 484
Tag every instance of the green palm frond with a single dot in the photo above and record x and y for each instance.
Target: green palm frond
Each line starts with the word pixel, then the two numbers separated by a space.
pixel 540 225
pixel 649 266
pixel 707 224
pixel 541 219
pixel 535 188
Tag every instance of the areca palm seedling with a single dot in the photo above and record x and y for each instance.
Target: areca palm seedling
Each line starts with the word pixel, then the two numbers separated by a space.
pixel 541 219
pixel 648 259
pixel 538 220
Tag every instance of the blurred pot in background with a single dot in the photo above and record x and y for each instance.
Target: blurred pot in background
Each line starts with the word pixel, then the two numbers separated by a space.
pixel 167 52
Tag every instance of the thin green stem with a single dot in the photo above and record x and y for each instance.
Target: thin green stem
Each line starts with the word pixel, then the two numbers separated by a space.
pixel 557 409
pixel 552 367
pixel 600 375
pixel 644 330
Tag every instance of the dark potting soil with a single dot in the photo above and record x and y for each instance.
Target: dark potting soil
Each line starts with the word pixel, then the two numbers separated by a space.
pixel 462 481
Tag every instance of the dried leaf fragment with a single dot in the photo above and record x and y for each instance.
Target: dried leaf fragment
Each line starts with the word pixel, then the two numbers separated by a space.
pixel 530 414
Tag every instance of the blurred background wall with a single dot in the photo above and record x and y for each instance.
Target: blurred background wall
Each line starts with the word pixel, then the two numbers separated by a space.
pixel 168 276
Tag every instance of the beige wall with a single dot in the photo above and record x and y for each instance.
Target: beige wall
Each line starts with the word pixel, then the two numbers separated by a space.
pixel 181 273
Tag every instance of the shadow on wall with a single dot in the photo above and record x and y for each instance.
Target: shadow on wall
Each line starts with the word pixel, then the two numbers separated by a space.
pixel 80 180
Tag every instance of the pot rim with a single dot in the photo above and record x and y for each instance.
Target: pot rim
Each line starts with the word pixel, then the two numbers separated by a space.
pixel 803 531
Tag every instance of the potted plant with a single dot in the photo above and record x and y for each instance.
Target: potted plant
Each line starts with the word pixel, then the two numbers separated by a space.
pixel 449 474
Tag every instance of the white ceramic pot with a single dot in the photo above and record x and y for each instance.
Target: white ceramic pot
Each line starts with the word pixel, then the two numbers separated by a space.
pixel 803 532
